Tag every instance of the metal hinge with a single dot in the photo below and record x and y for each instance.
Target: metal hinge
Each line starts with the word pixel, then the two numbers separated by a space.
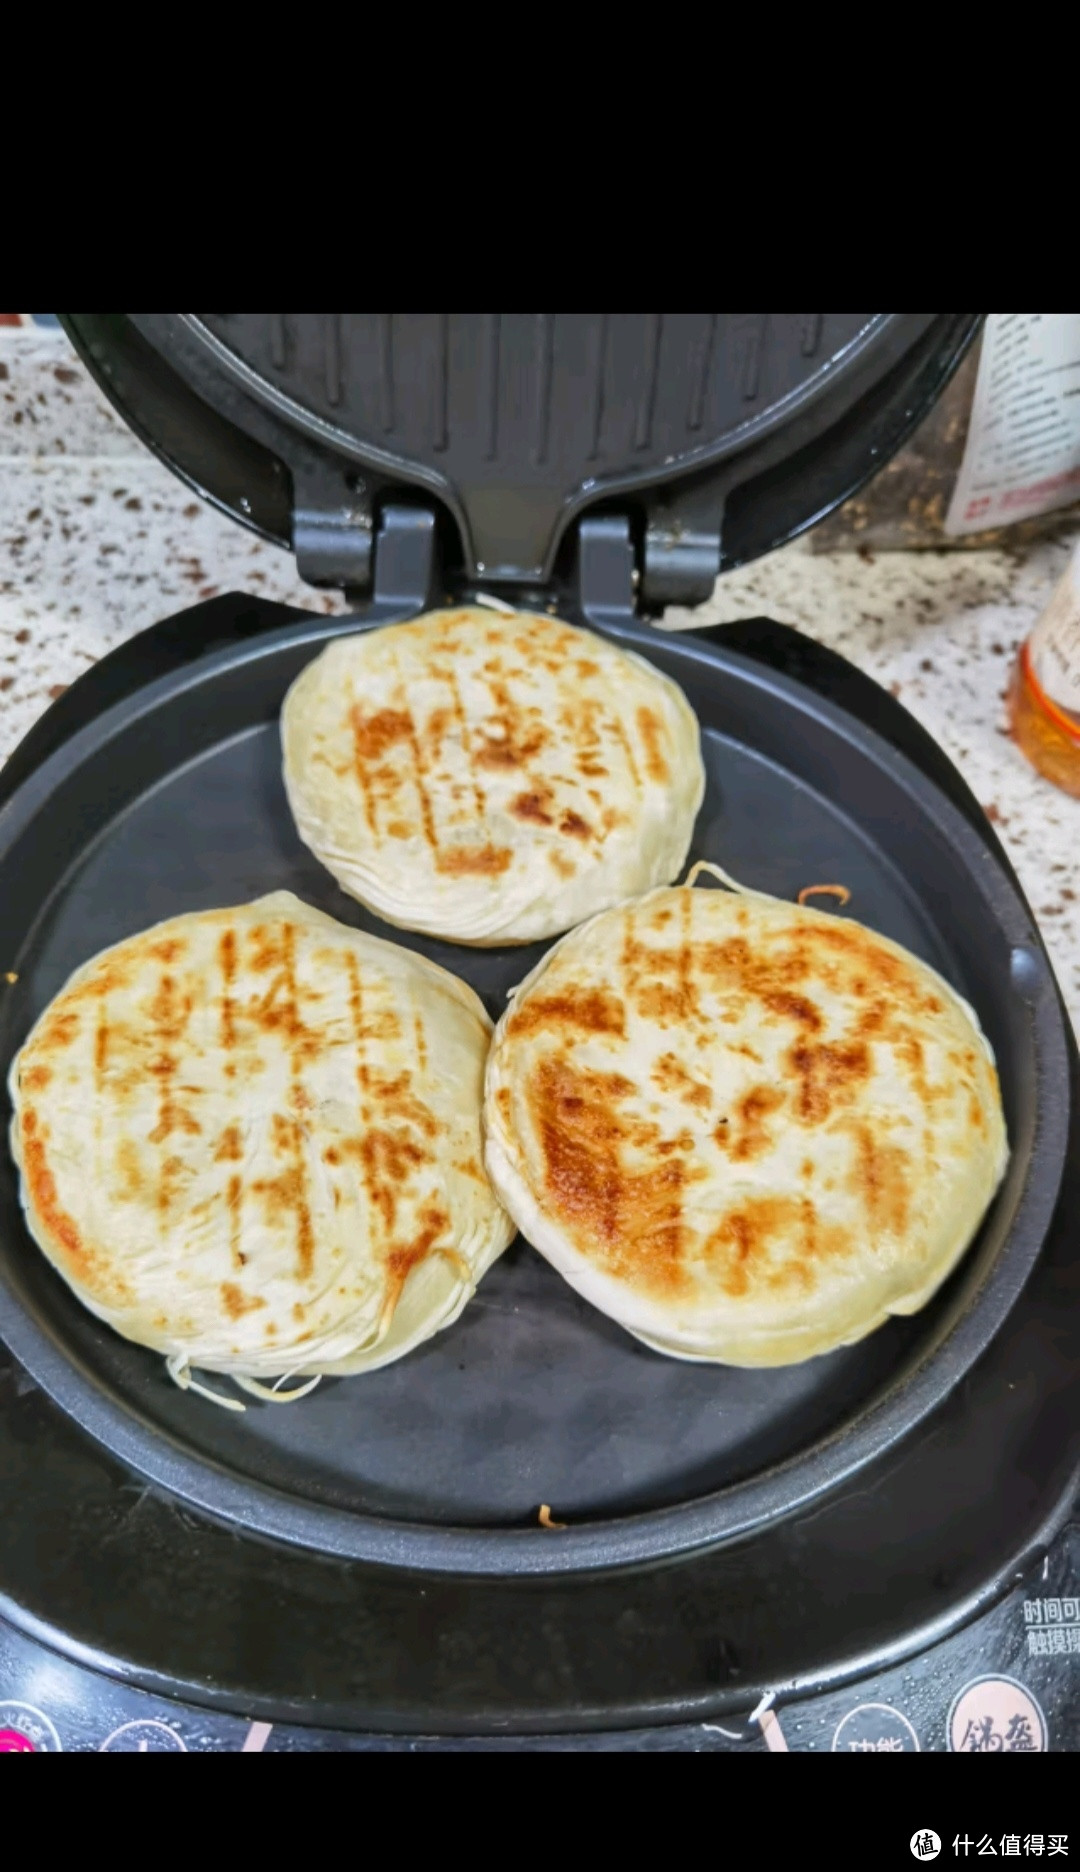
pixel 333 527
pixel 682 547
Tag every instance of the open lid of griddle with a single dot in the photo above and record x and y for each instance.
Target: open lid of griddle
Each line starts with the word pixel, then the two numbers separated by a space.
pixel 717 435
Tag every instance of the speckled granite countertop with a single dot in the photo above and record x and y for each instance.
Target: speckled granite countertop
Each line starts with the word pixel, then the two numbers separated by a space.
pixel 97 541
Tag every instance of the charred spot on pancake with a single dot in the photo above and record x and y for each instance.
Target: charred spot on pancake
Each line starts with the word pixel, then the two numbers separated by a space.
pixel 772 1244
pixel 236 1302
pixel 388 1160
pixel 286 1200
pixel 130 1179
pixel 58 1032
pixel 169 949
pixel 793 1007
pixel 627 1218
pixel 230 1146
pixel 512 736
pixel 881 1177
pixel 651 732
pixel 475 860
pixel 668 1004
pixel 575 826
pixel 827 1074
pixel 564 866
pixel 575 1010
pixel 534 806
pixel 374 734
pixel 670 1075
pixel 748 1136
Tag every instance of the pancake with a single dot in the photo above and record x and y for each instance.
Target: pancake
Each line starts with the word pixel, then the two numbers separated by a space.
pixel 490 777
pixel 250 1140
pixel 747 1131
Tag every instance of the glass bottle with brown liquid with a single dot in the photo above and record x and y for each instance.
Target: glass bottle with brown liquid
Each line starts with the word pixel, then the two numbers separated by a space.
pixel 1044 701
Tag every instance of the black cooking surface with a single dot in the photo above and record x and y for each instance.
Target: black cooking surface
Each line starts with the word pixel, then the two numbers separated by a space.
pixel 139 1586
pixel 533 1395
pixel 175 803
pixel 1005 1684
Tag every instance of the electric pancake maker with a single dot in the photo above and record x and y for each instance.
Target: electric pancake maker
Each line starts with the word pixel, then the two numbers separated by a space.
pixel 873 1551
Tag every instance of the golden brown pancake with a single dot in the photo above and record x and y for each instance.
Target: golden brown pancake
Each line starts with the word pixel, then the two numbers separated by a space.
pixel 250 1139
pixel 746 1130
pixel 490 777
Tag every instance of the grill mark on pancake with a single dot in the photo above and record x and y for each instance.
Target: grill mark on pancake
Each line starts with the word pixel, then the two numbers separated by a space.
pixel 227 965
pixel 628 1220
pixel 777 1243
pixel 234 1196
pixel 670 1075
pixel 575 826
pixel 230 1146
pixel 356 1010
pixel 392 1094
pixel 421 1041
pixel 237 1303
pixel 373 736
pixel 388 1158
pixel 279 1011
pixel 687 996
pixel 827 1074
pixel 458 711
pixel 518 736
pixel 59 1032
pixel 881 1178
pixel 387 1162
pixel 649 729
pixel 231 1150
pixel 129 1171
pixel 793 1007
pixel 420 777
pixel 750 1137
pixel 664 1002
pixel 858 948
pixel 400 1261
pixel 581 1010
pixel 474 860
pixel 101 1044
pixel 621 736
pixel 880 1022
pixel 169 1013
pixel 535 807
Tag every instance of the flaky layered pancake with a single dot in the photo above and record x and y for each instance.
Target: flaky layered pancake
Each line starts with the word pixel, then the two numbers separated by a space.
pixel 748 1131
pixel 250 1139
pixel 490 777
